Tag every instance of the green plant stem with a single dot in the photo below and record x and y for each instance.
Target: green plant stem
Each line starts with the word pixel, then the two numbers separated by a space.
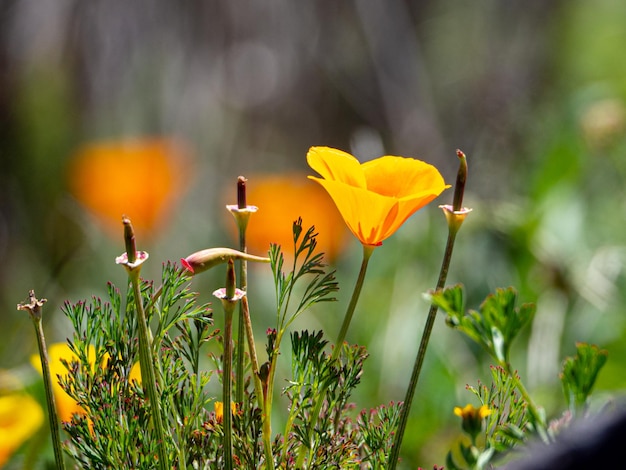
pixel 243 284
pixel 532 407
pixel 258 386
pixel 268 395
pixel 52 411
pixel 148 376
pixel 367 253
pixel 421 353
pixel 226 383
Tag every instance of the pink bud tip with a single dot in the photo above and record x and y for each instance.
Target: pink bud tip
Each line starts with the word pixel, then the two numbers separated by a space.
pixel 186 265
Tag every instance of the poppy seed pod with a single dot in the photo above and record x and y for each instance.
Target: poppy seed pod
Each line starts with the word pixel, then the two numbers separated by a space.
pixel 206 259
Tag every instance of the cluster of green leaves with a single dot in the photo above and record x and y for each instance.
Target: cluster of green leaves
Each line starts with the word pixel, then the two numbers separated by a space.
pixel 330 438
pixel 494 326
pixel 334 439
pixel 514 417
pixel 116 432
pixel 307 265
pixel 313 373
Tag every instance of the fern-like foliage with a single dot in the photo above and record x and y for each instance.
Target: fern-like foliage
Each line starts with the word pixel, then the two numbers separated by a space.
pixel 117 433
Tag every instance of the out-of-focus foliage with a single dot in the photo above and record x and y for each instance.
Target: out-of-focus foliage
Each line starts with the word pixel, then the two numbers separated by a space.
pixel 533 92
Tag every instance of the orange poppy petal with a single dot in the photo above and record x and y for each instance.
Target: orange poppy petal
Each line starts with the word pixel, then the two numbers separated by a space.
pixel 333 164
pixel 377 197
pixel 400 177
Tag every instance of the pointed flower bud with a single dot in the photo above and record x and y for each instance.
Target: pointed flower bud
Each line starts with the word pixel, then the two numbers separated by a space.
pixel 230 293
pixel 455 213
pixel 203 260
pixel 241 211
pixel 132 259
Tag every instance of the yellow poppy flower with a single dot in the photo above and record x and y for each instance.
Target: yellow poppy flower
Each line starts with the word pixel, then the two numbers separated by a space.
pixel 141 178
pixel 20 417
pixel 375 198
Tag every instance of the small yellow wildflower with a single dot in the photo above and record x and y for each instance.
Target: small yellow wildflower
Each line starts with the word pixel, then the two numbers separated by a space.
pixel 219 410
pixel 472 418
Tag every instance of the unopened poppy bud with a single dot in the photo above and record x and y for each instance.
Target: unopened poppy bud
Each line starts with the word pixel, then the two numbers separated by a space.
pixel 241 211
pixel 461 177
pixel 231 281
pixel 132 259
pixel 241 193
pixel 206 259
pixel 229 295
pixel 129 239
pixel 455 213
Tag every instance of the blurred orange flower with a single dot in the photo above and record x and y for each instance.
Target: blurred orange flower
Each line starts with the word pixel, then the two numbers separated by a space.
pixel 57 352
pixel 281 199
pixel 20 416
pixel 139 178
pixel 375 198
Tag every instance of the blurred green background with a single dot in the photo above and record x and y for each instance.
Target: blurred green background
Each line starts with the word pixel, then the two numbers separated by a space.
pixel 534 92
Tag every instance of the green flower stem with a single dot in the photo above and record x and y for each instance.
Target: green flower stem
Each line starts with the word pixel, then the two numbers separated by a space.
pixel 367 253
pixel 268 394
pixel 243 283
pixel 148 376
pixel 229 307
pixel 421 353
pixel 258 386
pixel 52 411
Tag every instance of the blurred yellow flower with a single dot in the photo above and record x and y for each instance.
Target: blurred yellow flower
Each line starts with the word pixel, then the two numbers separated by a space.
pixel 375 198
pixel 472 418
pixel 139 178
pixel 281 199
pixel 66 405
pixel 219 410
pixel 20 417
pixel 469 412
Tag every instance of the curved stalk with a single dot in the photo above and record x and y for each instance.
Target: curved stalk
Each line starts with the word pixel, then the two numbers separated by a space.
pixel 421 353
